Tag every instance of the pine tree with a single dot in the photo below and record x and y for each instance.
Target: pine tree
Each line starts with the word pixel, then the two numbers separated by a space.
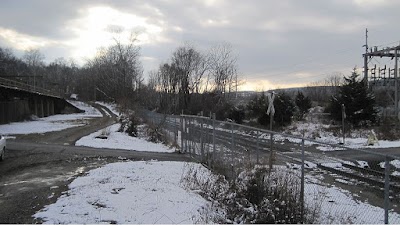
pixel 284 109
pixel 303 104
pixel 359 102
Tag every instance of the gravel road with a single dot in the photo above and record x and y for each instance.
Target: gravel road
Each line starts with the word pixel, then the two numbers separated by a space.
pixel 38 168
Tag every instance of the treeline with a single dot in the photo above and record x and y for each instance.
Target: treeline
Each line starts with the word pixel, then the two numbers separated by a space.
pixel 115 73
pixel 190 81
pixel 193 81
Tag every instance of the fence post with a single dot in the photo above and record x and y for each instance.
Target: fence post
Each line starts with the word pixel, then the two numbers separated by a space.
pixel 232 149
pixel 271 155
pixel 201 138
pixel 176 131
pixel 258 148
pixel 213 124
pixel 187 146
pixel 302 182
pixel 386 201
pixel 181 120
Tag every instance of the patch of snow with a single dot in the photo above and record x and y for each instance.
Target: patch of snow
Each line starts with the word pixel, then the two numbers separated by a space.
pixel 363 164
pixel 89 110
pixel 343 181
pixel 310 165
pixel 339 206
pixel 111 106
pixel 120 140
pixel 128 192
pixel 52 123
pixel 333 164
pixel 395 163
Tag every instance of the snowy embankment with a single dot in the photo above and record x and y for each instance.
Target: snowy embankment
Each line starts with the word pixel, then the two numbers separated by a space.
pixel 120 140
pixel 129 192
pixel 111 106
pixel 52 123
pixel 316 130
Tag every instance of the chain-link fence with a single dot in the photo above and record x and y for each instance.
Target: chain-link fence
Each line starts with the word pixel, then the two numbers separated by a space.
pixel 340 184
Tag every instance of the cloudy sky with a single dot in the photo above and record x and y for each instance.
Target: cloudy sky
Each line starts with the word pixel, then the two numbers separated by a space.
pixel 278 43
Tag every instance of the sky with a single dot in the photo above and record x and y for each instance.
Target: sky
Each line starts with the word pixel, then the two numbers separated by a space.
pixel 285 43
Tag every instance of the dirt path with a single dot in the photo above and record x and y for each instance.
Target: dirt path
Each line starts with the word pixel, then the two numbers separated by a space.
pixel 39 168
pixel 71 135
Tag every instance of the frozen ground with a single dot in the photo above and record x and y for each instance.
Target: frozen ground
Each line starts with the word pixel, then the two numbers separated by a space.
pixel 128 192
pixel 52 123
pixel 339 206
pixel 320 132
pixel 152 192
pixel 111 106
pixel 120 140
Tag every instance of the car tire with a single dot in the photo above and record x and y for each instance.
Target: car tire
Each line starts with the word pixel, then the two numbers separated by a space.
pixel 2 154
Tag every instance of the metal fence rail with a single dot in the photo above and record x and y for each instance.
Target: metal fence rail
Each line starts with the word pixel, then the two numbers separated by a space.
pixel 229 148
pixel 25 87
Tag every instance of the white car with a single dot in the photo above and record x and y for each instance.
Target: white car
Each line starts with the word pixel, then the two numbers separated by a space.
pixel 2 147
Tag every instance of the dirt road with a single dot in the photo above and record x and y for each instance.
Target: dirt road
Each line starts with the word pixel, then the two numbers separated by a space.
pixel 38 168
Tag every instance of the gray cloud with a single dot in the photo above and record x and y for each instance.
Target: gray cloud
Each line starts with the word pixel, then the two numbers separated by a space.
pixel 274 40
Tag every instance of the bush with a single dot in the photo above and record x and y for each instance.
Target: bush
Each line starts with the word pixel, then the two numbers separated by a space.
pixel 129 125
pixel 256 196
pixel 359 103
pixel 284 109
pixel 303 104
pixel 237 114
pixel 155 134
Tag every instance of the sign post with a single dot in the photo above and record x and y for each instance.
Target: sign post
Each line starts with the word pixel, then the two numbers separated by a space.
pixel 271 112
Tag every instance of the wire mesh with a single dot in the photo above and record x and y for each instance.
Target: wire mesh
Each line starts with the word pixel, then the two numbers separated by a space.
pixel 338 184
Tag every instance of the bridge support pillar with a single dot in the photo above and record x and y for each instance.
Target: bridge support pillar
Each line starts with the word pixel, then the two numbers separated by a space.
pixel 35 107
pixel 47 112
pixel 41 108
pixel 51 107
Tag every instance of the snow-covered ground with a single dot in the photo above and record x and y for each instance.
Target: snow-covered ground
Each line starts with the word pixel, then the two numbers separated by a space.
pixel 52 123
pixel 111 106
pixel 128 192
pixel 315 130
pixel 121 140
pixel 152 192
pixel 340 206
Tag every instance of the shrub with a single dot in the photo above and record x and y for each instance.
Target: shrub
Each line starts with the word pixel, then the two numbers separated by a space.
pixel 129 125
pixel 132 128
pixel 155 134
pixel 303 104
pixel 359 102
pixel 284 109
pixel 237 114
pixel 256 196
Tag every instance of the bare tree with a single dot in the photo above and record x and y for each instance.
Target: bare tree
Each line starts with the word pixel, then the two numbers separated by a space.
pixel 34 59
pixel 117 69
pixel 223 68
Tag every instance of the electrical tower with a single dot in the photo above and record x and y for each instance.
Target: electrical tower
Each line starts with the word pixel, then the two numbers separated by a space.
pixel 383 77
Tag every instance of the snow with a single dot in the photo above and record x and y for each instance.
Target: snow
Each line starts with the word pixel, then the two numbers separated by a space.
pixel 52 123
pixel 363 164
pixel 340 206
pixel 395 163
pixel 120 140
pixel 128 192
pixel 111 106
pixel 314 128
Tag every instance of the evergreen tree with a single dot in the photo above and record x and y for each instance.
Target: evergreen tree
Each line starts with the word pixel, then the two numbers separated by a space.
pixel 359 102
pixel 303 104
pixel 284 108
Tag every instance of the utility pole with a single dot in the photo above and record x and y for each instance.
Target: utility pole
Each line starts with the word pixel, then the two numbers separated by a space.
pixel 366 58
pixel 396 84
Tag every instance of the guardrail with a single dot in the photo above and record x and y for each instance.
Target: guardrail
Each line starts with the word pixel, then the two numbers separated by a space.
pixel 9 83
pixel 229 147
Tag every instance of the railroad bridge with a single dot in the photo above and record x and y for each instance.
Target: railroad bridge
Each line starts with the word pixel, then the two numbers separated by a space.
pixel 18 101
